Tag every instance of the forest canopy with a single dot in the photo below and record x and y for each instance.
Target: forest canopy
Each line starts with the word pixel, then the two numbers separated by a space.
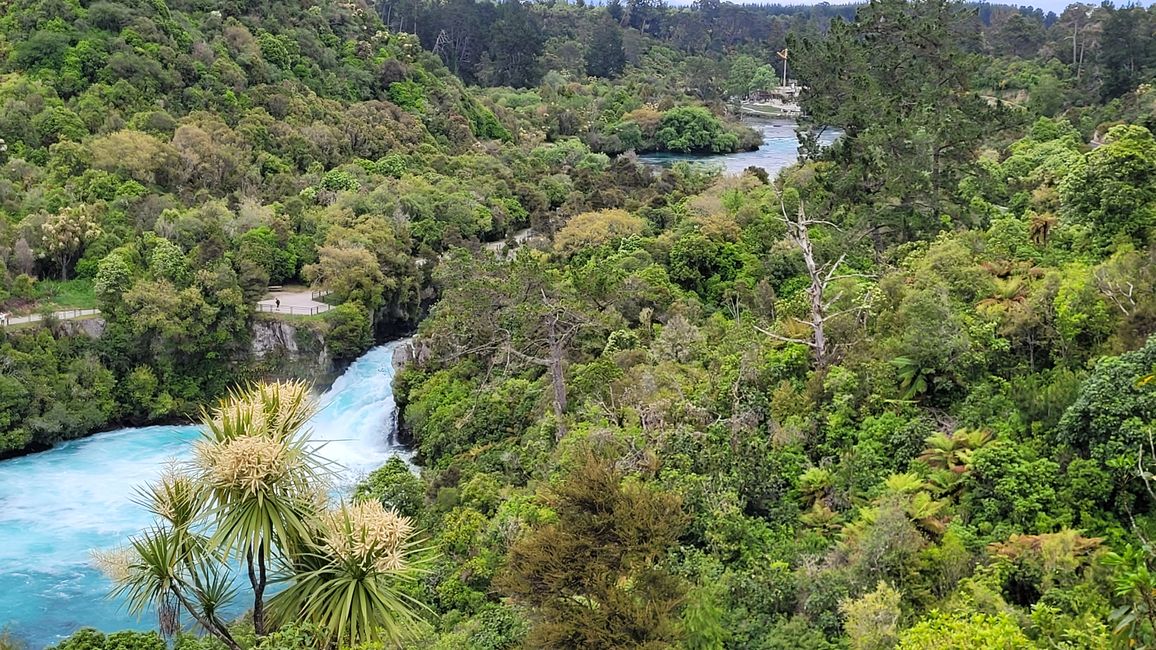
pixel 899 394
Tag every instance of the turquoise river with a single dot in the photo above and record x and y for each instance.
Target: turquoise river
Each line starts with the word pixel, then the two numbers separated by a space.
pixel 58 505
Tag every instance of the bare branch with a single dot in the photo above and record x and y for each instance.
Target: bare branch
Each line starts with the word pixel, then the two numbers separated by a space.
pixel 487 346
pixel 811 222
pixel 832 267
pixel 525 357
pixel 828 303
pixel 849 310
pixel 784 339
pixel 1144 474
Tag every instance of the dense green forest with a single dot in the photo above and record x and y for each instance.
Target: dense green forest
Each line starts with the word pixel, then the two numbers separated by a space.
pixel 901 395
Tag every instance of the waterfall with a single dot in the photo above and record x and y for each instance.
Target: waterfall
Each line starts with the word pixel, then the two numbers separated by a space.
pixel 57 505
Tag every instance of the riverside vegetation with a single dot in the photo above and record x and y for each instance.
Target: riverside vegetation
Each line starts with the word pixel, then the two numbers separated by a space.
pixel 900 395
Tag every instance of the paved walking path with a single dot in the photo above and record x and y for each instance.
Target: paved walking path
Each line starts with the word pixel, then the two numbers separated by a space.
pixel 293 302
pixel 301 302
pixel 502 251
pixel 63 314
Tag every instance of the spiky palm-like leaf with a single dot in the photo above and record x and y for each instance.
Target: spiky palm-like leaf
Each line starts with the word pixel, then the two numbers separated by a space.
pixel 815 483
pixel 925 511
pixel 975 439
pixel 820 516
pixel 262 475
pixel 348 584
pixel 942 451
pixel 176 498
pixel 352 608
pixel 953 452
pixel 171 558
pixel 945 482
pixel 1008 300
pixel 906 483
pixel 213 588
pixel 162 566
pixel 255 492
pixel 261 471
pixel 855 530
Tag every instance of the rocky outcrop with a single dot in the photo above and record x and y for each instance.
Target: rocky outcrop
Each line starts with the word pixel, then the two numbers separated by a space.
pixel 283 349
pixel 93 328
pixel 271 337
pixel 402 355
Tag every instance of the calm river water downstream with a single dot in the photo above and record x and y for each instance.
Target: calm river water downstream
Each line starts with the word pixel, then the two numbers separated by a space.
pixel 780 149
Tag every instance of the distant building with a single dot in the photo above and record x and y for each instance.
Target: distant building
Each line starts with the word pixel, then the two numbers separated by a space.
pixel 788 93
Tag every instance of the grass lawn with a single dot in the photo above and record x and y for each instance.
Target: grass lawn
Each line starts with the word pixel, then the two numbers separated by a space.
pixel 766 111
pixel 74 294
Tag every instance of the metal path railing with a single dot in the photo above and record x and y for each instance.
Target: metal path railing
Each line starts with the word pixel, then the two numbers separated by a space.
pixel 293 311
pixel 67 314
pixel 62 314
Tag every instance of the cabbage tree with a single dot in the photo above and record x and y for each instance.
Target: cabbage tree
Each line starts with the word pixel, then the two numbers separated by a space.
pixel 263 480
pixel 254 496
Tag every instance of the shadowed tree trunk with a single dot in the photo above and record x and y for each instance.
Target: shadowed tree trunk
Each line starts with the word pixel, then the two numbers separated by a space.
pixel 558 335
pixel 259 579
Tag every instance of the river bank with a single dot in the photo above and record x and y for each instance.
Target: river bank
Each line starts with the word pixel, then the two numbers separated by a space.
pixel 279 347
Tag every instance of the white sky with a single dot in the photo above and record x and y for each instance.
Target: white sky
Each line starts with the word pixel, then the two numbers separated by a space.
pixel 1057 6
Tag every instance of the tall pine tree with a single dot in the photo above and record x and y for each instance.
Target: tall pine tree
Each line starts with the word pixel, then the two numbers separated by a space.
pixel 898 82
pixel 605 56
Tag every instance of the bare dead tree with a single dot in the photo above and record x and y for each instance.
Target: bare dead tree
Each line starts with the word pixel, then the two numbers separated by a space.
pixel 823 276
pixel 1120 292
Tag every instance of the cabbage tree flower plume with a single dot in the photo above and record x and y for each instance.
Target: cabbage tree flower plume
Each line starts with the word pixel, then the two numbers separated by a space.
pixel 262 477
pixel 256 493
pixel 367 535
pixel 250 464
pixel 115 563
pixel 255 442
pixel 349 584
pixel 175 496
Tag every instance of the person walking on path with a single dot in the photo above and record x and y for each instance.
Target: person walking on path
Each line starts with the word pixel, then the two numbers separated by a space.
pixel 278 301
